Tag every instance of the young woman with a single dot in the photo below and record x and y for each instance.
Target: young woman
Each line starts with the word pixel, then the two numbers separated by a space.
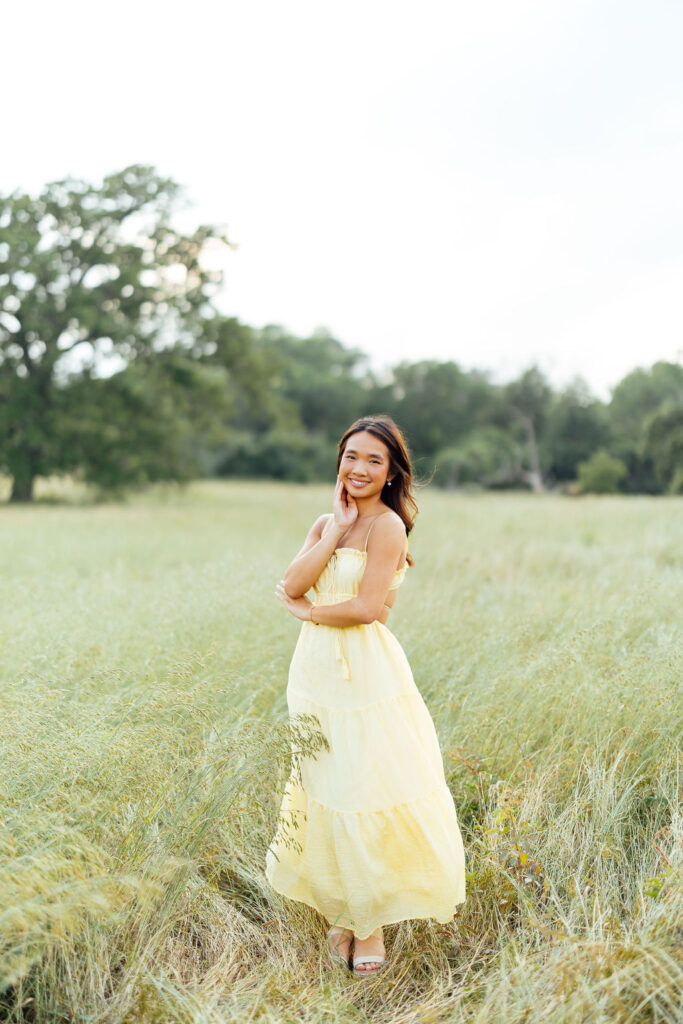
pixel 377 837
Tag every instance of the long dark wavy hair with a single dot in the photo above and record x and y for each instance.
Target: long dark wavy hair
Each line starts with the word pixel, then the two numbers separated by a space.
pixel 399 496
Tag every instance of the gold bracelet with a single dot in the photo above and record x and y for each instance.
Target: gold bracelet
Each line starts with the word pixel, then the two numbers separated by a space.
pixel 311 615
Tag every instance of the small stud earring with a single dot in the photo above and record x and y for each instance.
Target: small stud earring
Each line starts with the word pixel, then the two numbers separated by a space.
pixel 388 483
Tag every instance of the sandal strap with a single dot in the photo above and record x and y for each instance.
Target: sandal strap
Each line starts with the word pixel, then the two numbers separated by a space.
pixel 368 960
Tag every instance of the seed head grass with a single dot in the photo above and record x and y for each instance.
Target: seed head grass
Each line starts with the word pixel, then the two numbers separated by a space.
pixel 145 745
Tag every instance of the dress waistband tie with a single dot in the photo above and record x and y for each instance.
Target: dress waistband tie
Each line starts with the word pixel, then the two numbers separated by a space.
pixel 341 656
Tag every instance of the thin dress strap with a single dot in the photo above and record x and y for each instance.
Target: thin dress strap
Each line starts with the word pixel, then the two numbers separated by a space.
pixel 378 516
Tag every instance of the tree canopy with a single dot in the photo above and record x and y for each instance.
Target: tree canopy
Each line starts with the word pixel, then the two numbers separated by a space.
pixel 116 366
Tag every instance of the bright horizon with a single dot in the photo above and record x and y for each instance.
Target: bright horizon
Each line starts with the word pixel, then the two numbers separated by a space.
pixel 493 186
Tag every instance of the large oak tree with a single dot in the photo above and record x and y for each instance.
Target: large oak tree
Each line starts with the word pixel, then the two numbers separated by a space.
pixel 93 279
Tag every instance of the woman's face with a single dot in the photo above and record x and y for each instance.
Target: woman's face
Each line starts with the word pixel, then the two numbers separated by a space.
pixel 364 465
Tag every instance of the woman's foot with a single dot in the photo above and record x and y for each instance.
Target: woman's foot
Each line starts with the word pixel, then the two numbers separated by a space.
pixel 339 945
pixel 372 947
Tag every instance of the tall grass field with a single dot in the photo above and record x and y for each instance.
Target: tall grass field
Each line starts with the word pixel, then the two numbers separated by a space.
pixel 144 746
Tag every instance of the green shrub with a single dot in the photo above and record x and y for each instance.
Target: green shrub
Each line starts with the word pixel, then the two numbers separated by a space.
pixel 601 474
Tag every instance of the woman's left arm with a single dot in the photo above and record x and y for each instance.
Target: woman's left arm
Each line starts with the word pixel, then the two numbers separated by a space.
pixel 384 551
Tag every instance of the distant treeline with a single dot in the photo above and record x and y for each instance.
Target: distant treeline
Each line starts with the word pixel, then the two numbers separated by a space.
pixel 116 366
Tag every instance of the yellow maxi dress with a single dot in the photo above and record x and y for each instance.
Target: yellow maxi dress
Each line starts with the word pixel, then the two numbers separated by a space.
pixel 375 823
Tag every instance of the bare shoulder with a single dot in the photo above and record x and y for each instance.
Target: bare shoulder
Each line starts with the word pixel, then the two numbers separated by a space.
pixel 319 524
pixel 313 536
pixel 390 527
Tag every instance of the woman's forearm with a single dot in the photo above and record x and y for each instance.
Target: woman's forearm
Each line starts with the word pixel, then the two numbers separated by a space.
pixel 346 613
pixel 302 573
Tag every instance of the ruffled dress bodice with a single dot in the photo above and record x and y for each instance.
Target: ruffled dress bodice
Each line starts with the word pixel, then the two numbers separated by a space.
pixel 340 579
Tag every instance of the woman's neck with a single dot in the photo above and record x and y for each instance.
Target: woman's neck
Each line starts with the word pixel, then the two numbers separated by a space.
pixel 367 513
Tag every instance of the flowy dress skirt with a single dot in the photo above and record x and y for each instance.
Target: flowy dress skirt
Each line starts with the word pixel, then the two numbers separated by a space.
pixel 368 833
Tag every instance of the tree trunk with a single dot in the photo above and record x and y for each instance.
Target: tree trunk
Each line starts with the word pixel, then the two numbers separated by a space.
pixel 22 489
pixel 533 475
pixel 452 477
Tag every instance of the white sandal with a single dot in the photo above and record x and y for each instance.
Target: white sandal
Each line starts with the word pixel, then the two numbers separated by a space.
pixel 333 950
pixel 381 960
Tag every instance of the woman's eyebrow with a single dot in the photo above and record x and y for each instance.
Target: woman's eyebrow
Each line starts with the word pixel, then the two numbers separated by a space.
pixel 352 451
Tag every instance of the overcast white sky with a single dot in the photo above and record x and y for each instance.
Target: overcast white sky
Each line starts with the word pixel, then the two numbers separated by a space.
pixel 495 182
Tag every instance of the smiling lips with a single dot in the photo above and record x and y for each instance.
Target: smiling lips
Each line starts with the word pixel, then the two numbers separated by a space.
pixel 359 483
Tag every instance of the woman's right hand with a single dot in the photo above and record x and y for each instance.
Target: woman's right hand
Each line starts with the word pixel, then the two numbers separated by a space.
pixel 344 505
